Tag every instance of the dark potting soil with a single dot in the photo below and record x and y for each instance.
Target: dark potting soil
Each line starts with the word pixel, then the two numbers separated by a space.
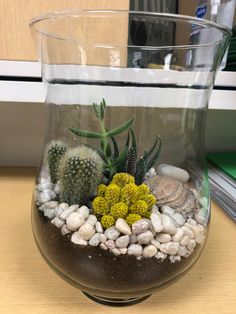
pixel 100 272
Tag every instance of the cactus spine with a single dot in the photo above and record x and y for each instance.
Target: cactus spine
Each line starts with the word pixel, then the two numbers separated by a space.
pixel 56 150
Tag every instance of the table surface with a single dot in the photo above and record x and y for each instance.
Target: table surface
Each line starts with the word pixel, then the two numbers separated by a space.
pixel 28 285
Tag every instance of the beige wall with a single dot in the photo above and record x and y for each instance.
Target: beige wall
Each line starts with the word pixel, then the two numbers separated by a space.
pixel 15 36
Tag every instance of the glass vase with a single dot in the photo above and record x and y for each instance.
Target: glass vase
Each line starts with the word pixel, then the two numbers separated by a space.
pixel 121 205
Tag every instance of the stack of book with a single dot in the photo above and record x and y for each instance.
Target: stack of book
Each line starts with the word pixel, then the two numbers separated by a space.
pixel 222 179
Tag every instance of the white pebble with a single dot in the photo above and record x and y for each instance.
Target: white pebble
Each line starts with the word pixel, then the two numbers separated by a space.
pixel 183 251
pixel 163 237
pixel 170 248
pixel 168 225
pixel 135 249
pixel 112 233
pixel 44 186
pixel 156 243
pixel 140 226
pixel 145 237
pixel 116 251
pixel 122 226
pixel 57 188
pixel 161 256
pixel 64 206
pixel 201 216
pixel 167 210
pixel 64 230
pixel 94 240
pixel 123 250
pixel 133 238
pixel 178 235
pixel 110 244
pixel 44 196
pixel 92 219
pixel 184 240
pixel 175 258
pixel 173 172
pixel 99 227
pixel 74 221
pixel 155 210
pixel 49 205
pixel 178 218
pixel 84 211
pixel 156 222
pixel 86 231
pixel 149 251
pixel 191 245
pixel 103 246
pixel 75 238
pixel 57 222
pixel 188 231
pixel 192 222
pixel 122 241
pixel 102 238
pixel 59 211
pixel 50 213
pixel 66 212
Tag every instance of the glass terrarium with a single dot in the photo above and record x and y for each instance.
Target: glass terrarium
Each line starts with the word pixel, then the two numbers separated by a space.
pixel 121 205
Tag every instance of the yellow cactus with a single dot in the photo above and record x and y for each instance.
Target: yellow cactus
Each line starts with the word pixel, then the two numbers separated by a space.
pixel 101 190
pixel 147 214
pixel 122 178
pixel 140 208
pixel 112 194
pixel 143 189
pixel 132 218
pixel 150 200
pixel 129 193
pixel 119 210
pixel 107 221
pixel 100 206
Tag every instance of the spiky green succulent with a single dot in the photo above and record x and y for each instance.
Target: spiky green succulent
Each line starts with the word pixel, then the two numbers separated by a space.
pixel 56 150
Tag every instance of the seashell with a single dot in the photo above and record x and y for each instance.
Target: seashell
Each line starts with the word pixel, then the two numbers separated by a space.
pixel 173 172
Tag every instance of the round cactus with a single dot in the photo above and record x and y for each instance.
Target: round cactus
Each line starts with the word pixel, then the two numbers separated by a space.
pixel 122 178
pixel 143 189
pixel 140 208
pixel 80 172
pixel 112 194
pixel 119 210
pixel 129 193
pixel 100 206
pixel 56 150
pixel 149 199
pixel 107 221
pixel 101 190
pixel 132 218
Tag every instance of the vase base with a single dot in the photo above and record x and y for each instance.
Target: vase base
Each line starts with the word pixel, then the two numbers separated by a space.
pixel 115 302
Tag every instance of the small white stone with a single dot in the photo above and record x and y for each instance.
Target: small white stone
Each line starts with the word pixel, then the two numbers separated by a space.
pixel 64 206
pixel 75 238
pixel 123 250
pixel 122 241
pixel 188 231
pixel 99 227
pixel 183 251
pixel 135 249
pixel 112 233
pixel 122 226
pixel 50 213
pixel 44 186
pixel 156 222
pixel 163 237
pixel 44 196
pixel 86 231
pixel 140 226
pixel 175 258
pixel 191 245
pixel 156 243
pixel 155 210
pixel 84 211
pixel 178 235
pixel 57 222
pixel 110 244
pixel 57 188
pixel 59 211
pixel 178 218
pixel 201 216
pixel 133 238
pixel 102 238
pixel 116 251
pixel 161 256
pixel 74 221
pixel 173 172
pixel 64 230
pixel 94 240
pixel 192 222
pixel 168 225
pixel 185 240
pixel 149 251
pixel 65 213
pixel 170 248
pixel 92 219
pixel 167 210
pixel 145 237
pixel 151 172
pixel 49 205
pixel 103 246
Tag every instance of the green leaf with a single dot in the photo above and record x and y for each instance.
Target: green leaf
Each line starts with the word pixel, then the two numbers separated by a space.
pixel 108 151
pixel 102 109
pixel 96 110
pixel 121 128
pixel 115 148
pixel 88 134
pixel 121 157
pixel 148 154
pixel 131 161
pixel 141 171
pixel 134 145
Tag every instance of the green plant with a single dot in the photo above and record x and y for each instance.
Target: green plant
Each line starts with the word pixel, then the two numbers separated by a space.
pixel 80 172
pixel 111 158
pixel 56 150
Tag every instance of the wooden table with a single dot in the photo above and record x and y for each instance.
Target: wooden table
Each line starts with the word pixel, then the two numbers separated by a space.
pixel 28 285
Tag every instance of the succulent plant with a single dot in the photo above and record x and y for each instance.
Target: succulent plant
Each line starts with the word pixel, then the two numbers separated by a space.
pixel 119 210
pixel 56 150
pixel 107 221
pixel 80 172
pixel 132 218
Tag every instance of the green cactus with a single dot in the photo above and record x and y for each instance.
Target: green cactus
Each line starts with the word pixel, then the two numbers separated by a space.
pixel 56 150
pixel 80 172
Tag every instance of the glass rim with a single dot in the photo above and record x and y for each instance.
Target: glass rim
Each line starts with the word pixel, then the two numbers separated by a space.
pixel 75 13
